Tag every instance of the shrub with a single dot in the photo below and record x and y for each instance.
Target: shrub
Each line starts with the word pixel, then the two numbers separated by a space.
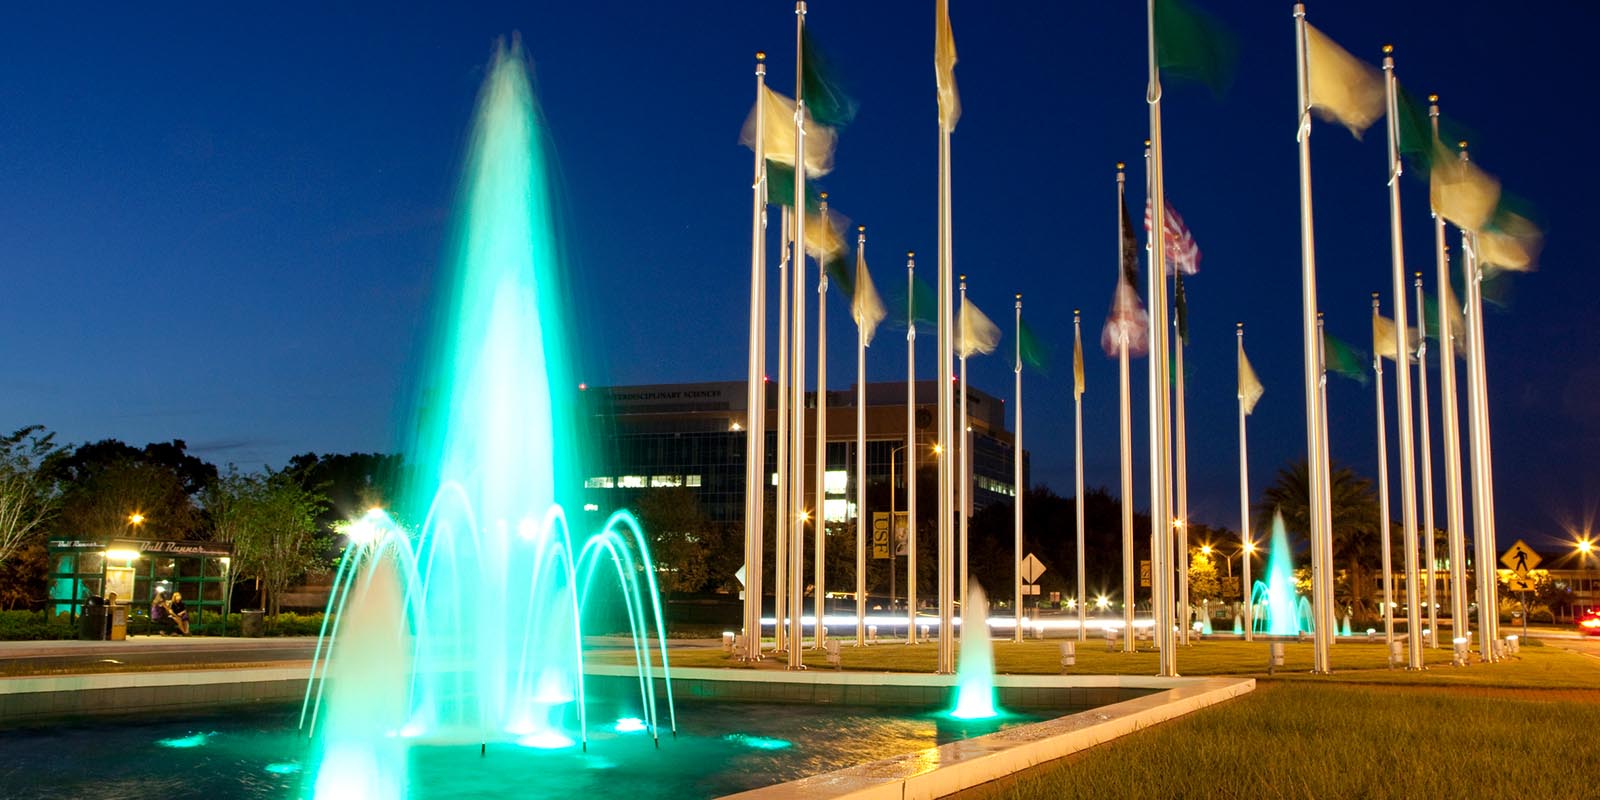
pixel 34 626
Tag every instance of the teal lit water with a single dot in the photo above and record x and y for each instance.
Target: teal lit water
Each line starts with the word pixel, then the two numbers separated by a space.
pixel 721 748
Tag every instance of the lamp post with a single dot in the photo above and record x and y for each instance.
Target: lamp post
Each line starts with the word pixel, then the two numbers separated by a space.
pixel 894 556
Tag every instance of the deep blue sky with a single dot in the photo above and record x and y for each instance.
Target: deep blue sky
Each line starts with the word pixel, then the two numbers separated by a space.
pixel 224 225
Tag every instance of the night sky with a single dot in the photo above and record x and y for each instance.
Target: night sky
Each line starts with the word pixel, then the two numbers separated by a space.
pixel 225 225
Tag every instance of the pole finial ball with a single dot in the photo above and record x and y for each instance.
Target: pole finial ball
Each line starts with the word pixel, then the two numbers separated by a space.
pixel 1019 295
pixel 1121 165
pixel 1433 98
pixel 824 195
pixel 1462 144
pixel 963 277
pixel 861 228
pixel 1239 325
pixel 761 55
pixel 1374 297
pixel 911 254
pixel 1147 143
pixel 1388 49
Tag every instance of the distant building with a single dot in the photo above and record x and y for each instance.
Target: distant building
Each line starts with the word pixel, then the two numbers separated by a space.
pixel 692 435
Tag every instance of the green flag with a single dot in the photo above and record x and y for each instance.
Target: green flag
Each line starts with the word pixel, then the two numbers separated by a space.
pixel 1035 353
pixel 923 304
pixel 820 88
pixel 1193 44
pixel 780 187
pixel 1342 359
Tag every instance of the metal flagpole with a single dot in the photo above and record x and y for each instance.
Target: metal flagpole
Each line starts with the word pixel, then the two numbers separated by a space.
pixel 1016 469
pixel 819 521
pixel 1161 431
pixel 1325 497
pixel 797 383
pixel 861 456
pixel 1077 440
pixel 964 485
pixel 756 396
pixel 1125 430
pixel 1181 524
pixel 1482 471
pixel 1426 444
pixel 1246 540
pixel 1155 389
pixel 1316 456
pixel 1402 380
pixel 911 449
pixel 780 519
pixel 947 475
pixel 1384 523
pixel 1454 513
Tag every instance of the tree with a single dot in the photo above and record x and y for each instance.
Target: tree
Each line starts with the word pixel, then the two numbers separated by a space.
pixel 271 520
pixel 681 537
pixel 1356 541
pixel 1203 582
pixel 105 482
pixel 28 497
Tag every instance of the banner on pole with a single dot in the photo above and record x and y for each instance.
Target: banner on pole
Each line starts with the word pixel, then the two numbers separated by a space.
pixel 902 532
pixel 880 534
pixel 1144 573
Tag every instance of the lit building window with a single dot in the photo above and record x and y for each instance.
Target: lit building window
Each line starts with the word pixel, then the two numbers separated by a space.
pixel 602 482
pixel 774 479
pixel 836 510
pixel 631 482
pixel 664 481
pixel 835 481
pixel 691 480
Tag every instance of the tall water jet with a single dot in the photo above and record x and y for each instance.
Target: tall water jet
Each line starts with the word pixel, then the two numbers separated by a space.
pixel 1276 597
pixel 490 580
pixel 975 667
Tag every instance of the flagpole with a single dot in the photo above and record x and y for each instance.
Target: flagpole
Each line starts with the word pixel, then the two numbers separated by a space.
pixel 780 520
pixel 1181 524
pixel 1016 468
pixel 1402 379
pixel 1125 431
pixel 1482 471
pixel 1244 504
pixel 819 600
pixel 947 645
pixel 755 390
pixel 1161 430
pixel 1427 467
pixel 964 487
pixel 861 455
pixel 1450 411
pixel 1384 524
pixel 1316 455
pixel 797 385
pixel 1325 496
pixel 911 448
pixel 1077 441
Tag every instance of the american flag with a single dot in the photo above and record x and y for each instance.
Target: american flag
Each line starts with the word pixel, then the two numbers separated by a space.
pixel 1182 253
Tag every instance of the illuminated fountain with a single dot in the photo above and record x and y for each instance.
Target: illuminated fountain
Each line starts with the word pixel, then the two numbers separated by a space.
pixel 1277 608
pixel 975 667
pixel 457 622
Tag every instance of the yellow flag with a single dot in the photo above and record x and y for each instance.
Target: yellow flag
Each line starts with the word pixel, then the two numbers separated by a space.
pixel 866 306
pixel 777 130
pixel 1383 338
pixel 1460 191
pixel 1343 88
pixel 1077 363
pixel 1250 389
pixel 823 240
pixel 975 332
pixel 944 67
pixel 1510 242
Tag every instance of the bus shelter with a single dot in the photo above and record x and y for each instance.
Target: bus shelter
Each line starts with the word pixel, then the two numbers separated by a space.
pixel 136 570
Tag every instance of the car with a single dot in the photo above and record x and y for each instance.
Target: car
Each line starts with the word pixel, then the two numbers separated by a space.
pixel 1589 622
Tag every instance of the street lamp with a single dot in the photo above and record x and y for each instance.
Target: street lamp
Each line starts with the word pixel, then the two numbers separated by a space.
pixel 135 519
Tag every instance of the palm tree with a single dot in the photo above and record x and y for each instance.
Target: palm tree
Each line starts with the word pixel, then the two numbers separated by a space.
pixel 1355 521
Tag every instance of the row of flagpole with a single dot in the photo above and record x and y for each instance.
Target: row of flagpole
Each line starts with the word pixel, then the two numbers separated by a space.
pixel 1347 94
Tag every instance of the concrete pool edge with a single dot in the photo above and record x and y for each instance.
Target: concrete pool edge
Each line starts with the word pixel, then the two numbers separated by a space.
pixel 950 768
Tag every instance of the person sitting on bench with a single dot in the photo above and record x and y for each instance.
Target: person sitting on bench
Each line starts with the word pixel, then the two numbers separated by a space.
pixel 179 612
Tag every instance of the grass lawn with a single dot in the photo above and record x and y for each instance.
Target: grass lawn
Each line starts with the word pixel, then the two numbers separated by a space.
pixel 1299 740
pixel 1538 667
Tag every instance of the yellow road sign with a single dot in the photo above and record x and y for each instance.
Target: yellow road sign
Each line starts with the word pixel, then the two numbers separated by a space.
pixel 1520 558
pixel 1520 584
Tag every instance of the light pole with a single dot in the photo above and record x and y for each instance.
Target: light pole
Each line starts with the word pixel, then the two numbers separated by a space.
pixel 894 546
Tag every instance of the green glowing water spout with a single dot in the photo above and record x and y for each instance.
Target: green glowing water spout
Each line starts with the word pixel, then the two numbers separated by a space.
pixel 463 626
pixel 975 668
pixel 1279 612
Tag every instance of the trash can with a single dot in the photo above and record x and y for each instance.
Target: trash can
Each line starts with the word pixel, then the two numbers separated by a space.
pixel 117 622
pixel 253 623
pixel 92 620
